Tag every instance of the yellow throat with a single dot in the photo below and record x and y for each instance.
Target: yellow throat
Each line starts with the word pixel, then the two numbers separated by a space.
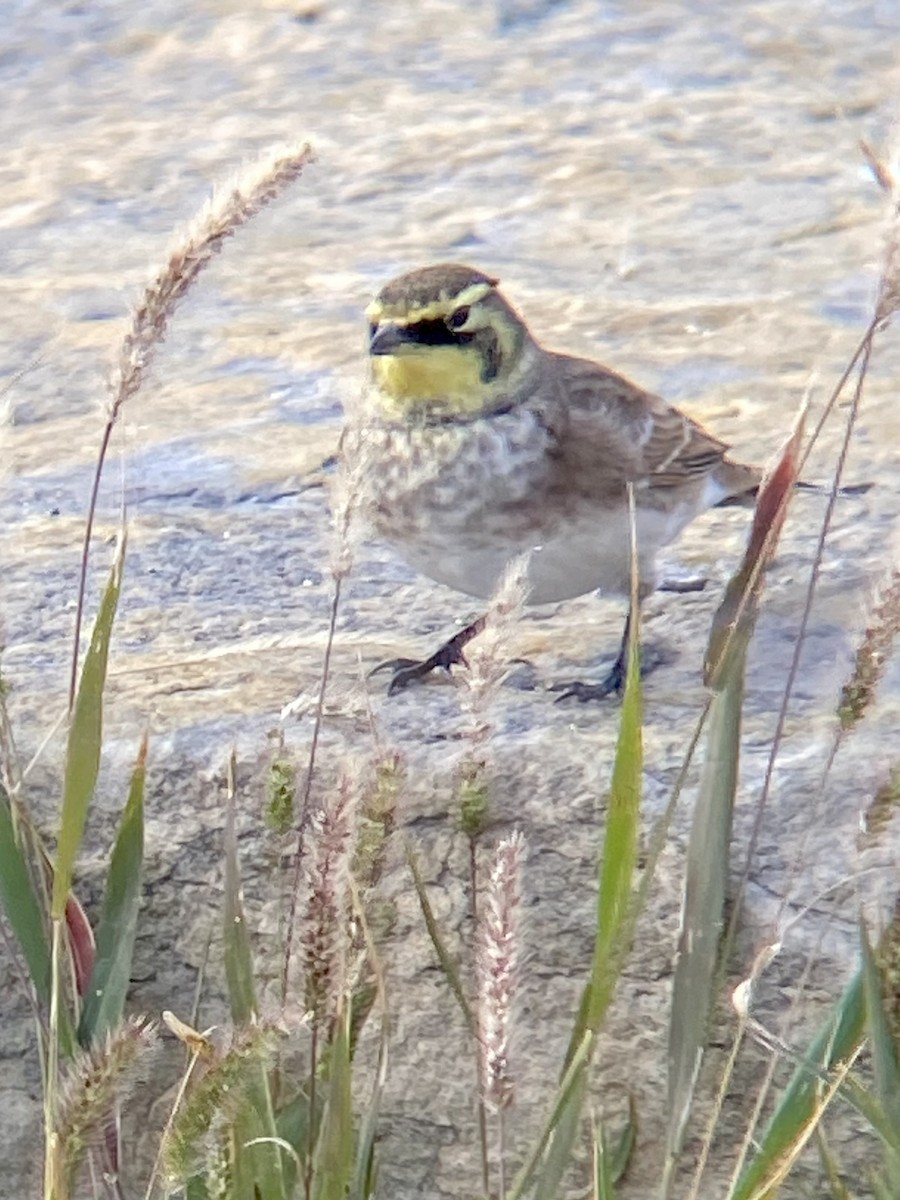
pixel 435 378
pixel 444 343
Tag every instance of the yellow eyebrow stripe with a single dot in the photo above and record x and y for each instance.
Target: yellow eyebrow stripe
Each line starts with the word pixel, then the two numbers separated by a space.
pixel 436 310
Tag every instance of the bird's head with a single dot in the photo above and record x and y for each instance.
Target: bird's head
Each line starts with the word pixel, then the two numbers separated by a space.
pixel 444 342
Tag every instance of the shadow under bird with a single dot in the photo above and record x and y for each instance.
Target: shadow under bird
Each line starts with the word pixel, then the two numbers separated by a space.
pixel 478 444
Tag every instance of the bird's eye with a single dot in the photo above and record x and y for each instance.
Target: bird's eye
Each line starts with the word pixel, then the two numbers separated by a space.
pixel 457 319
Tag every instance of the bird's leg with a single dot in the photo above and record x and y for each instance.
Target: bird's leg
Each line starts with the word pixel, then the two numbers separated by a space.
pixel 405 671
pixel 612 683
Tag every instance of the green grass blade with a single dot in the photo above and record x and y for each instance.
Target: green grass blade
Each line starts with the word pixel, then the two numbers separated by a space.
pixel 838 1040
pixel 236 940
pixel 245 1128
pixel 604 1185
pixel 196 1189
pixel 615 916
pixel 262 1163
pixel 104 1001
pixel 870 1109
pixel 881 1038
pixel 618 861
pixel 884 1057
pixel 565 1131
pixel 364 1180
pixel 85 741
pixel 620 1155
pixel 292 1122
pixel 572 1082
pixel 837 1189
pixel 708 853
pixel 620 844
pixel 704 901
pixel 610 1163
pixel 21 904
pixel 335 1148
pixel 448 966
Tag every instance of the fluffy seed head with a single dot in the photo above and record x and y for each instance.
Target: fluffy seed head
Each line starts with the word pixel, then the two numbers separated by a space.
pixel 324 933
pixel 498 966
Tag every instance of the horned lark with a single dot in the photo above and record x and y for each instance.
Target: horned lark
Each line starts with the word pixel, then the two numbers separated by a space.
pixel 480 445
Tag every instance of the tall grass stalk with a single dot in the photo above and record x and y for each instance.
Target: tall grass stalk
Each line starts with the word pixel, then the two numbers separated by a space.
pixel 347 501
pixel 886 304
pixel 228 210
pixel 488 658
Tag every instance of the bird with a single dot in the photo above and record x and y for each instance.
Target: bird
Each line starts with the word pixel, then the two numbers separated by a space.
pixel 478 444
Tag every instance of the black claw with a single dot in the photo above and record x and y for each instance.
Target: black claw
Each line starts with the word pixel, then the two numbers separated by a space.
pixel 404 676
pixel 449 655
pixel 405 671
pixel 612 685
pixel 393 665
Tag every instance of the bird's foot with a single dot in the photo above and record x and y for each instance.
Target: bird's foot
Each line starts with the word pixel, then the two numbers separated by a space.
pixel 577 689
pixel 613 683
pixel 405 671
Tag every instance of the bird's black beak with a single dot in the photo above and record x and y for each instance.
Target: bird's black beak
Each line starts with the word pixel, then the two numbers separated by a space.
pixel 388 339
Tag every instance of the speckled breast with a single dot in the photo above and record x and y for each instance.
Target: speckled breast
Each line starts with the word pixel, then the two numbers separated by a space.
pixel 481 481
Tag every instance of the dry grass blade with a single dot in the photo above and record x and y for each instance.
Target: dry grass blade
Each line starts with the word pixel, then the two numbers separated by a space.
pixel 800 1107
pixel 736 616
pixel 859 364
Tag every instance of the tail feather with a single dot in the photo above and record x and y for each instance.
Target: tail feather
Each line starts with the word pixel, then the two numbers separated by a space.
pixel 822 489
pixel 746 497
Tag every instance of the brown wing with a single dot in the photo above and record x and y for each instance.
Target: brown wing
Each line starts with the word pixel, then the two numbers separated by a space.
pixel 611 432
